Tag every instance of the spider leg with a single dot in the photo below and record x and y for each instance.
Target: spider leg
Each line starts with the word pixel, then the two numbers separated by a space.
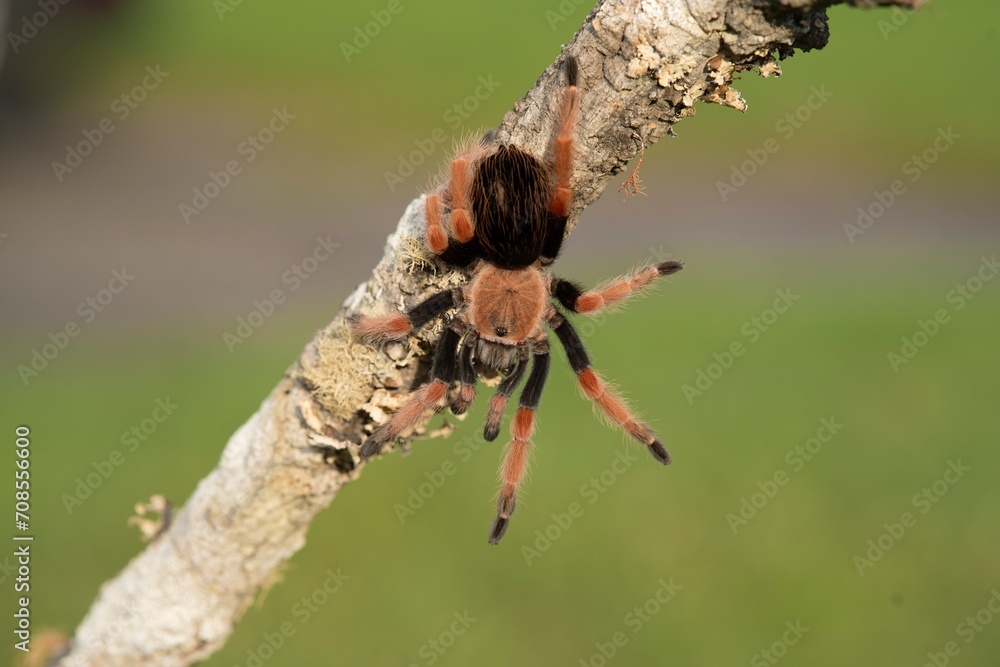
pixel 521 429
pixel 611 292
pixel 467 376
pixel 427 397
pixel 499 401
pixel 437 238
pixel 382 328
pixel 460 219
pixel 458 254
pixel 612 405
pixel 568 113
pixel 563 194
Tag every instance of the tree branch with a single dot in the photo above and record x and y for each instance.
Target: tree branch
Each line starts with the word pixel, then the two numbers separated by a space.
pixel 643 64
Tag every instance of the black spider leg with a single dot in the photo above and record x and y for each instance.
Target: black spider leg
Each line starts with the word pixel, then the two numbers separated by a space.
pixel 433 306
pixel 427 397
pixel 464 254
pixel 594 388
pixel 461 255
pixel 558 213
pixel 397 326
pixel 575 352
pixel 566 292
pixel 555 231
pixel 466 375
pixel 504 391
pixel 516 460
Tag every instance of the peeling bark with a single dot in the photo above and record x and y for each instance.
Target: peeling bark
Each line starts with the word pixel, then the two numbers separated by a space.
pixel 643 64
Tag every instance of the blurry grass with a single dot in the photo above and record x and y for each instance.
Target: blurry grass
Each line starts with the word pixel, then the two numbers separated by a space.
pixel 895 77
pixel 826 357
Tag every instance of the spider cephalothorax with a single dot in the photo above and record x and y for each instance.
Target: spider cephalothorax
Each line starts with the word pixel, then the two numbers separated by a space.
pixel 500 218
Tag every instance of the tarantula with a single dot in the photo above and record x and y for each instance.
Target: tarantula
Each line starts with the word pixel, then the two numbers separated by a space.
pixel 506 212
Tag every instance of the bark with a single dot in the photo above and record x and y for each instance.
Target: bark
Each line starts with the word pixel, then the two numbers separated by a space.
pixel 643 64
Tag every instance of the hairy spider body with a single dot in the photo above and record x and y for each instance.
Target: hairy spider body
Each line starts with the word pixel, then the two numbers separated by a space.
pixel 507 304
pixel 501 217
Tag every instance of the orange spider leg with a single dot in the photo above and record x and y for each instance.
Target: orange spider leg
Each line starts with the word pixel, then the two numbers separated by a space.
pixel 521 430
pixel 426 398
pixel 437 239
pixel 506 388
pixel 568 114
pixel 610 404
pixel 621 288
pixel 461 222
pixel 618 412
pixel 467 378
pixel 430 396
pixel 397 326
pixel 512 471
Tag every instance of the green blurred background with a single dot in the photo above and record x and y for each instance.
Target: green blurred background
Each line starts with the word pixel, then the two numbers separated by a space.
pixel 896 79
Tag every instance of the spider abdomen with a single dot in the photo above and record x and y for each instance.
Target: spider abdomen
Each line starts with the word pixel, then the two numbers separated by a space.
pixel 510 194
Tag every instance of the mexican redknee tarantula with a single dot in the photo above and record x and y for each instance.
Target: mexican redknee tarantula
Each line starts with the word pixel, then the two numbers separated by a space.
pixel 506 213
